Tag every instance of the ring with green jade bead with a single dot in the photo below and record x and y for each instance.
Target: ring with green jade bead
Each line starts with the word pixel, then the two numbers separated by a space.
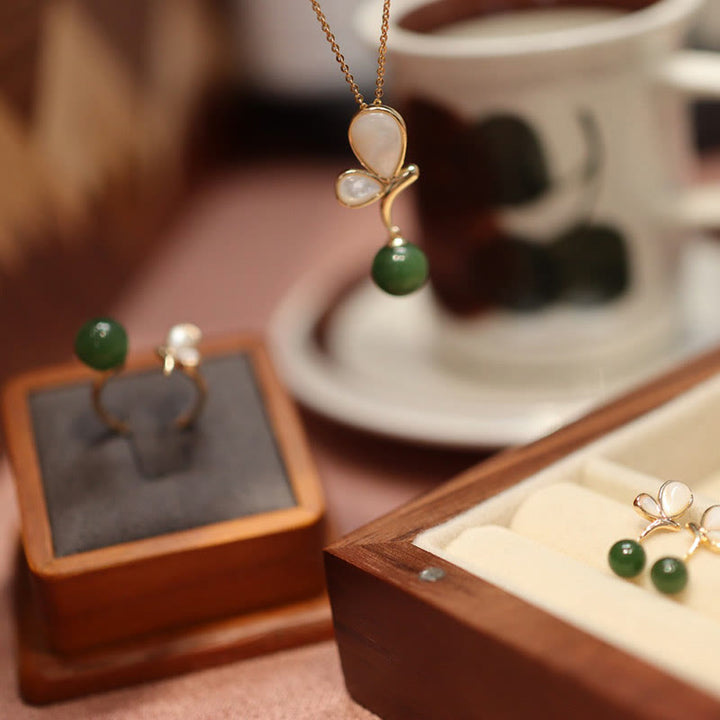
pixel 102 344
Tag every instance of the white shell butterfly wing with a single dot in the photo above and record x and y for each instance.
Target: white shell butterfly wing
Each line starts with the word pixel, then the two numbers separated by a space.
pixel 711 524
pixel 647 506
pixel 378 138
pixel 357 188
pixel 674 498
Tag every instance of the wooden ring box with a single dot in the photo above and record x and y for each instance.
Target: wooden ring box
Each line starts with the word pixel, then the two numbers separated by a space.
pixel 213 560
pixel 526 619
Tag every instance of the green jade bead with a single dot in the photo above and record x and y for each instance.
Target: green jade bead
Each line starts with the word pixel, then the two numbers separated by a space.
pixel 669 575
pixel 626 558
pixel 400 269
pixel 102 344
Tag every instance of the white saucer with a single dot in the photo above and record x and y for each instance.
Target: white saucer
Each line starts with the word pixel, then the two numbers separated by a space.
pixel 376 368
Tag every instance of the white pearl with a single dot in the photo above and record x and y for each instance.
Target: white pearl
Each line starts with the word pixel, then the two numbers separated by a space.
pixel 357 188
pixel 676 497
pixel 183 335
pixel 377 139
pixel 188 357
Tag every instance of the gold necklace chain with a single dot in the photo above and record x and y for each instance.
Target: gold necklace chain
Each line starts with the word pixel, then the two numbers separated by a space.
pixel 380 79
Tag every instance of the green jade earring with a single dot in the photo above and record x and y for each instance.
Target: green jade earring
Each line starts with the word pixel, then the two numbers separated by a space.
pixel 627 557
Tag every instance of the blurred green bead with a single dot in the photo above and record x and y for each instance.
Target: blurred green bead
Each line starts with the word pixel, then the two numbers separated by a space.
pixel 627 558
pixel 102 344
pixel 669 575
pixel 400 270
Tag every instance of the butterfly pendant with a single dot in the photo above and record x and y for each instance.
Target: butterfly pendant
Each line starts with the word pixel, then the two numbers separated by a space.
pixel 378 139
pixel 673 499
pixel 181 348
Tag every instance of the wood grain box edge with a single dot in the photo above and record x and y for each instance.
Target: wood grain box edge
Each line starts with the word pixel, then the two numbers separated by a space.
pixel 478 643
pixel 86 598
pixel 46 677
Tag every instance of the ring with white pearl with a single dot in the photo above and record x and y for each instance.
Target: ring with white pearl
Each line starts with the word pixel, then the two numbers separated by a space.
pixel 102 345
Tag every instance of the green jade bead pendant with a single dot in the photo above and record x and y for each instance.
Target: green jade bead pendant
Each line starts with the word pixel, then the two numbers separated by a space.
pixel 400 269
pixel 669 575
pixel 626 558
pixel 102 344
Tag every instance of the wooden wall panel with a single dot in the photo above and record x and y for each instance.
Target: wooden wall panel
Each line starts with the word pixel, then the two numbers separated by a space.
pixel 97 99
pixel 20 22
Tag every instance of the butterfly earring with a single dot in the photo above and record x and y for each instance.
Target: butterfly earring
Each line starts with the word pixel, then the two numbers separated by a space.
pixel 627 557
pixel 378 139
pixel 669 574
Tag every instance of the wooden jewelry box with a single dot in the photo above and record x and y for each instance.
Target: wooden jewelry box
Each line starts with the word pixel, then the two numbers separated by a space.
pixel 163 550
pixel 491 597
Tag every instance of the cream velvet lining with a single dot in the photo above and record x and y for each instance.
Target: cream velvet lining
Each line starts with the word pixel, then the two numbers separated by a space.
pixel 546 539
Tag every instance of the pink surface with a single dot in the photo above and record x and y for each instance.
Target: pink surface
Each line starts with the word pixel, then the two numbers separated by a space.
pixel 233 253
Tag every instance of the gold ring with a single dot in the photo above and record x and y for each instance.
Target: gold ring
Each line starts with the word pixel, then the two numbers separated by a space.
pixel 102 344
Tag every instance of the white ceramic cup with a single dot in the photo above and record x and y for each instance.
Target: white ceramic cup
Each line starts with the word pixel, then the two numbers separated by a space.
pixel 605 93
